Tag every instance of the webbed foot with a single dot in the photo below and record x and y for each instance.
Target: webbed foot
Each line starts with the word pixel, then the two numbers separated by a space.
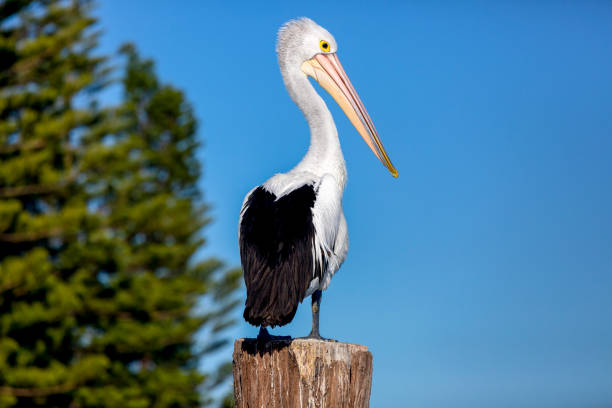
pixel 264 335
pixel 314 335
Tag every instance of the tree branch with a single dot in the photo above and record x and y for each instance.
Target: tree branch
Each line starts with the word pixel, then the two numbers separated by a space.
pixel 18 191
pixel 18 237
pixel 32 145
pixel 37 392
pixel 28 190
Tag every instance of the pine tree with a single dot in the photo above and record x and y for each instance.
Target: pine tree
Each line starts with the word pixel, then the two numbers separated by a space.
pixel 101 294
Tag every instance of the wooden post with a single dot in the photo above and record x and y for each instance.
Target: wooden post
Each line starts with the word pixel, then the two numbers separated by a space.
pixel 301 374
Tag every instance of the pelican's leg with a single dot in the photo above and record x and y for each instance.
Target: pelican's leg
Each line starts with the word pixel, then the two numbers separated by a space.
pixel 316 305
pixel 263 334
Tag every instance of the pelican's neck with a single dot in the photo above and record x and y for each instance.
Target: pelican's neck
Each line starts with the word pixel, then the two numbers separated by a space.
pixel 324 155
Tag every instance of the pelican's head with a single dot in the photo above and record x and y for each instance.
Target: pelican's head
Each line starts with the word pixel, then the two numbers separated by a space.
pixel 305 45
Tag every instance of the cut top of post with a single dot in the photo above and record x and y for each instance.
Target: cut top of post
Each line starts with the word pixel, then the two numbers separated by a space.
pixel 301 373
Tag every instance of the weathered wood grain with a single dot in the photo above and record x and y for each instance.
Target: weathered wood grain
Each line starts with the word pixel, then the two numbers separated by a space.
pixel 301 374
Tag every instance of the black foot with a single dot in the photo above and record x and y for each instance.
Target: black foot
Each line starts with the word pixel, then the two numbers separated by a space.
pixel 265 336
pixel 316 336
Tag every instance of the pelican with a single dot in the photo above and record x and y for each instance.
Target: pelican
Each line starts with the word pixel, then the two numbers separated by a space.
pixel 292 232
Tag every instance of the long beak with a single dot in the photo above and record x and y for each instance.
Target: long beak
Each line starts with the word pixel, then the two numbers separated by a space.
pixel 328 72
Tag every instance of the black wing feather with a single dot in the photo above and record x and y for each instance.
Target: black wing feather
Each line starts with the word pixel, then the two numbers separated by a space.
pixel 276 242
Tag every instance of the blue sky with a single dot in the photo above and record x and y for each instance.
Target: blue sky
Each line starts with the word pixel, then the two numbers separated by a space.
pixel 482 276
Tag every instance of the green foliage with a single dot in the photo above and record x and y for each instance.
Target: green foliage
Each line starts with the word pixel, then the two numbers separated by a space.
pixel 101 295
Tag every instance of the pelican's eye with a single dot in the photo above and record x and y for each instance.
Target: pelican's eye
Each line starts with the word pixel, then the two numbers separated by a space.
pixel 324 46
